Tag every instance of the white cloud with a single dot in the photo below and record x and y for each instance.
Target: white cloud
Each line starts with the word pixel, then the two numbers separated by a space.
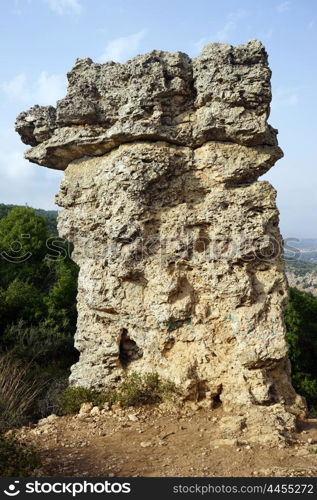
pixel 16 8
pixel 15 88
pixel 47 89
pixel 21 181
pixel 283 7
pixel 120 49
pixel 200 43
pixel 13 167
pixel 11 154
pixel 62 7
pixel 225 33
pixel 284 97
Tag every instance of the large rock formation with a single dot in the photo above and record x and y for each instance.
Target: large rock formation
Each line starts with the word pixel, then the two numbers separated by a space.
pixel 178 244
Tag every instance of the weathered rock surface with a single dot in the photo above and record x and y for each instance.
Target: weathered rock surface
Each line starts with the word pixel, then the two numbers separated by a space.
pixel 177 241
pixel 222 95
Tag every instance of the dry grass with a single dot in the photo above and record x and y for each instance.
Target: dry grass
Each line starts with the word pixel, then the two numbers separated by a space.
pixel 17 393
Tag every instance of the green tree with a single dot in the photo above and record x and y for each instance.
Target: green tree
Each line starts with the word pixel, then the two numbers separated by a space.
pixel 301 324
pixel 23 236
pixel 38 287
pixel 61 298
pixel 37 294
pixel 24 301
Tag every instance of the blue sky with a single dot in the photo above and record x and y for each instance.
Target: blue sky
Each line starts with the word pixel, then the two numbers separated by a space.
pixel 40 39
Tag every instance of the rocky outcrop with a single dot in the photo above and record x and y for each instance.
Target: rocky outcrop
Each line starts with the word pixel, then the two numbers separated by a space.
pixel 177 241
pixel 222 95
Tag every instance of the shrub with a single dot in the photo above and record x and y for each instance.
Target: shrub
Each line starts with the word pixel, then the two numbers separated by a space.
pixel 48 403
pixel 71 399
pixel 17 393
pixel 16 459
pixel 134 390
pixel 41 343
pixel 137 390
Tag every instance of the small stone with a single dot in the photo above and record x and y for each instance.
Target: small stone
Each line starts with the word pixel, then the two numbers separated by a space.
pixel 83 416
pixel 117 407
pixel 133 417
pixel 224 442
pixel 95 411
pixel 145 444
pixel 85 408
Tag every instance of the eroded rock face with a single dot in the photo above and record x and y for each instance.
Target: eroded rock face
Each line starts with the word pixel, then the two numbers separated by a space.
pixel 177 241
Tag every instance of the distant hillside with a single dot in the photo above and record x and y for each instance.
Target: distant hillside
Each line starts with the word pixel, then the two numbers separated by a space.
pixel 301 264
pixel 305 249
pixel 301 267
pixel 50 216
pixel 302 275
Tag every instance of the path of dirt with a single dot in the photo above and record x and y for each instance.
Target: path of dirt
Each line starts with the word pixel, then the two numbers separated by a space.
pixel 151 442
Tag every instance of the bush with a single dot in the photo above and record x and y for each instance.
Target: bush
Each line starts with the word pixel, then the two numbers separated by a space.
pixel 17 393
pixel 48 403
pixel 134 390
pixel 137 390
pixel 71 399
pixel 42 344
pixel 16 459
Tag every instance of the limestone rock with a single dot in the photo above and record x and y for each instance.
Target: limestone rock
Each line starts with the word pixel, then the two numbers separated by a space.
pixel 224 95
pixel 51 419
pixel 178 244
pixel 95 411
pixel 133 417
pixel 145 444
pixel 85 409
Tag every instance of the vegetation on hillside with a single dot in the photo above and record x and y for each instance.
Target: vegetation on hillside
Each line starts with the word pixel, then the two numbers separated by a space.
pixel 300 267
pixel 38 285
pixel 301 323
pixel 50 216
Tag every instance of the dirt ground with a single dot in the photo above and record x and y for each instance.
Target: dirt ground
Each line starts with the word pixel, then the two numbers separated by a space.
pixel 149 442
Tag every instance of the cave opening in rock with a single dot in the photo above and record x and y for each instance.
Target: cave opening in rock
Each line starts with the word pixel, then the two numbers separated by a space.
pixel 128 349
pixel 216 400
